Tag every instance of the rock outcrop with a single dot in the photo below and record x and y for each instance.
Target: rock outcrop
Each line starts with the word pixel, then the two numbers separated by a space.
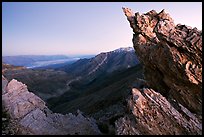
pixel 151 114
pixel 32 117
pixel 171 55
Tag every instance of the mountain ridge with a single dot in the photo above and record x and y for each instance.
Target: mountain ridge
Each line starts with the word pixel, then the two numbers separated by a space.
pixel 60 80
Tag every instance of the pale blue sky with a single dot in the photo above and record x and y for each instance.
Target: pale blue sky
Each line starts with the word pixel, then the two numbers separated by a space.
pixel 37 28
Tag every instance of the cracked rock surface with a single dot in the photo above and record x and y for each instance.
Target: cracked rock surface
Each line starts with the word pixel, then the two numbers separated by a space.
pixel 151 114
pixel 171 56
pixel 31 116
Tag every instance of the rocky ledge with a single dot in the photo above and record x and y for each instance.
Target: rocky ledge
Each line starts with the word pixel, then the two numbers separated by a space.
pixel 151 114
pixel 28 114
pixel 171 56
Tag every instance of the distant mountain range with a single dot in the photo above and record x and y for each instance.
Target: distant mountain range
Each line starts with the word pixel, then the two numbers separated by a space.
pixel 59 61
pixel 102 64
pixel 38 61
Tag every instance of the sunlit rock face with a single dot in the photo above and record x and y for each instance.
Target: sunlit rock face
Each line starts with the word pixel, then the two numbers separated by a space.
pixel 171 56
pixel 29 115
pixel 151 114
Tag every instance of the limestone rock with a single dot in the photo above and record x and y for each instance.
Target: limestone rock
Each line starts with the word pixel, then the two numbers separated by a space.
pixel 19 101
pixel 32 117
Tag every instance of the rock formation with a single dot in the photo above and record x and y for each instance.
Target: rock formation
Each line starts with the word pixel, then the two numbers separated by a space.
pixel 152 114
pixel 31 116
pixel 171 55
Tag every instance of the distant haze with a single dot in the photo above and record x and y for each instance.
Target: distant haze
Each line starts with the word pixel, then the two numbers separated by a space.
pixel 70 28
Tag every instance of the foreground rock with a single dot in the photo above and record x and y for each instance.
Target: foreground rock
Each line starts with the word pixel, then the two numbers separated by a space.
pixel 31 116
pixel 172 56
pixel 151 114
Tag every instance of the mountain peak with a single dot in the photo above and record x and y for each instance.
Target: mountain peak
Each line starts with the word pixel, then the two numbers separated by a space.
pixel 128 49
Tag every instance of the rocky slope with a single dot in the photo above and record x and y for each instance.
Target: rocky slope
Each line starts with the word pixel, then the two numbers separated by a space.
pixel 172 56
pixel 101 92
pixel 102 64
pixel 152 114
pixel 29 115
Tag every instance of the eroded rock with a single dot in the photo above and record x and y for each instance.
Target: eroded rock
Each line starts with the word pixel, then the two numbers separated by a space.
pixel 32 117
pixel 171 55
pixel 152 114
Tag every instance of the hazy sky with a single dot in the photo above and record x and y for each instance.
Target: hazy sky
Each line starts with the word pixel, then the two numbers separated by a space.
pixel 34 28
